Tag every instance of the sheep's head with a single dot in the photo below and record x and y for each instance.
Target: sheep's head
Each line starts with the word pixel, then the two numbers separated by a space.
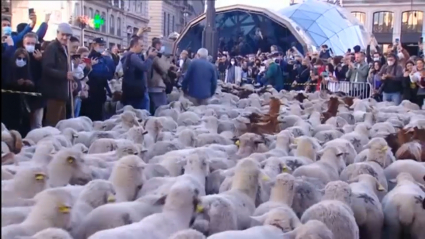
pixel 55 205
pixel 98 192
pixel 362 128
pixel 250 143
pixel 378 148
pixel 284 138
pixel 338 190
pixel 30 181
pixel 403 177
pixel 68 166
pixel 129 119
pixel 306 146
pixel 80 147
pixel 285 180
pixel 182 195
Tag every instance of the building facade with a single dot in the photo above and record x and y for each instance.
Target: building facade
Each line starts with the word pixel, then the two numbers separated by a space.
pixel 169 16
pixel 391 19
pixel 119 17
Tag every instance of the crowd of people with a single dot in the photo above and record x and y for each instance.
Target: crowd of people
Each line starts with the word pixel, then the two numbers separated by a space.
pixel 43 77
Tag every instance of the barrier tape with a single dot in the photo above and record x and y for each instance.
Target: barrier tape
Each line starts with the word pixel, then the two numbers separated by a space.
pixel 21 92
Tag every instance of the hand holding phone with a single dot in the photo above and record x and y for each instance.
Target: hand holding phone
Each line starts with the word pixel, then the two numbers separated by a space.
pixel 87 61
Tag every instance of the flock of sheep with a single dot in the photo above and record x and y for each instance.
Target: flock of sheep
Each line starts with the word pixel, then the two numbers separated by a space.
pixel 252 164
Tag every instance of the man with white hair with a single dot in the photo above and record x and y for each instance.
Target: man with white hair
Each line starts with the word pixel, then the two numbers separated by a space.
pixel 200 81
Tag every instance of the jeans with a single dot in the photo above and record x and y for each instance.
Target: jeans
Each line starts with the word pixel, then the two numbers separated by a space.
pixel 77 106
pixel 37 118
pixel 392 97
pixel 157 99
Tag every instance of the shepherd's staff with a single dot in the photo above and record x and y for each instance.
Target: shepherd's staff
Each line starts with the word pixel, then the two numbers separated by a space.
pixel 70 82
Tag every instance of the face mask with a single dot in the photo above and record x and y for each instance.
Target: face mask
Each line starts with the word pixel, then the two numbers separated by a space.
pixel 232 62
pixel 99 49
pixel 400 55
pixel 376 58
pixel 20 63
pixel 7 31
pixel 30 48
pixel 390 63
pixel 162 49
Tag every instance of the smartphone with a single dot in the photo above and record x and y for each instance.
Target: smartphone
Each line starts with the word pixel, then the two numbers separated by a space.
pixel 87 60
pixel 30 11
pixel 397 40
pixel 262 68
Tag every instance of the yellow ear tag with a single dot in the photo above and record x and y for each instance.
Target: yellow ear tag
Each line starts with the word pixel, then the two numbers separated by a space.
pixel 384 149
pixel 381 188
pixel 70 160
pixel 64 209
pixel 284 169
pixel 39 177
pixel 111 198
pixel 296 141
pixel 199 208
pixel 237 143
pixel 265 178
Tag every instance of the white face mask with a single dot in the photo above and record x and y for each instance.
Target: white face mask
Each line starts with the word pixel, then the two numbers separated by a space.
pixel 400 55
pixel 162 49
pixel 376 59
pixel 20 63
pixel 99 49
pixel 30 48
pixel 232 62
pixel 390 63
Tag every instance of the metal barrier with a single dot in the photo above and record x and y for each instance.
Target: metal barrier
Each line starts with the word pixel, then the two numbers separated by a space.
pixel 354 89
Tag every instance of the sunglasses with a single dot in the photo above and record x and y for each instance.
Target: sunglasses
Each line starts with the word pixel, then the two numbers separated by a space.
pixel 21 58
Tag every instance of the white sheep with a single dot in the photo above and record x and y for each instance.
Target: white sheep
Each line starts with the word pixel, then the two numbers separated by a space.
pixel 13 215
pixel 50 233
pixel 118 214
pixel 176 216
pixel 187 234
pixel 416 169
pixel 334 211
pixel 311 229
pixel 404 209
pixel 52 205
pixel 127 177
pixel 366 205
pixel 95 193
pixel 327 169
pixel 359 137
pixel 346 146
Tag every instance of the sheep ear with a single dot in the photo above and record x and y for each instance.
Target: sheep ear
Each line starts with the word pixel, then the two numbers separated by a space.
pixel 264 177
pixel 293 146
pixel 320 152
pixel 379 186
pixel 259 219
pixel 161 200
pixel 353 180
pixel 141 165
pixel 394 180
pixel 145 132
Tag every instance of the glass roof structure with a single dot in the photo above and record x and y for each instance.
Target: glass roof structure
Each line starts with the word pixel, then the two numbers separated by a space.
pixel 327 24
pixel 244 29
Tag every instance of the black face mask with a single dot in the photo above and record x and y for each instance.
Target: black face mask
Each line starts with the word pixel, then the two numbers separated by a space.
pixel 258 63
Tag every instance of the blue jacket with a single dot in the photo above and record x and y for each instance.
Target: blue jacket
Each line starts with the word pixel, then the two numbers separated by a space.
pixel 134 84
pixel 41 32
pixel 101 73
pixel 200 81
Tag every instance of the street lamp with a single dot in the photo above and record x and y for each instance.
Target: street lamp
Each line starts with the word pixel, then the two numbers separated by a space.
pixel 209 35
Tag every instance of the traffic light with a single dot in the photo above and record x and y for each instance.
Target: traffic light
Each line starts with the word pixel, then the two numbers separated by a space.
pixel 98 21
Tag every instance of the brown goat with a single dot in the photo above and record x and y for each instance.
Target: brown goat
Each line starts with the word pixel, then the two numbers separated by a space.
pixel 348 100
pixel 300 97
pixel 333 104
pixel 405 143
pixel 268 123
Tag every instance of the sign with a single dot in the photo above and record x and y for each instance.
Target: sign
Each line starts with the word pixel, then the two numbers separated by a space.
pixel 98 21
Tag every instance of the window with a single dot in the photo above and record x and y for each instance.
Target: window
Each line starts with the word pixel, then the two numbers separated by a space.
pixel 164 20
pixel 168 24
pixel 383 22
pixel 173 25
pixel 85 11
pixel 361 16
pixel 112 25
pixel 134 6
pixel 116 3
pixel 76 14
pixel 97 13
pixel 412 21
pixel 104 23
pixel 139 7
pixel 118 26
pixel 91 15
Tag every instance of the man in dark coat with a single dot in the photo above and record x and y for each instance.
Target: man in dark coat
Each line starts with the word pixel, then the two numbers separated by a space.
pixel 101 73
pixel 56 75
